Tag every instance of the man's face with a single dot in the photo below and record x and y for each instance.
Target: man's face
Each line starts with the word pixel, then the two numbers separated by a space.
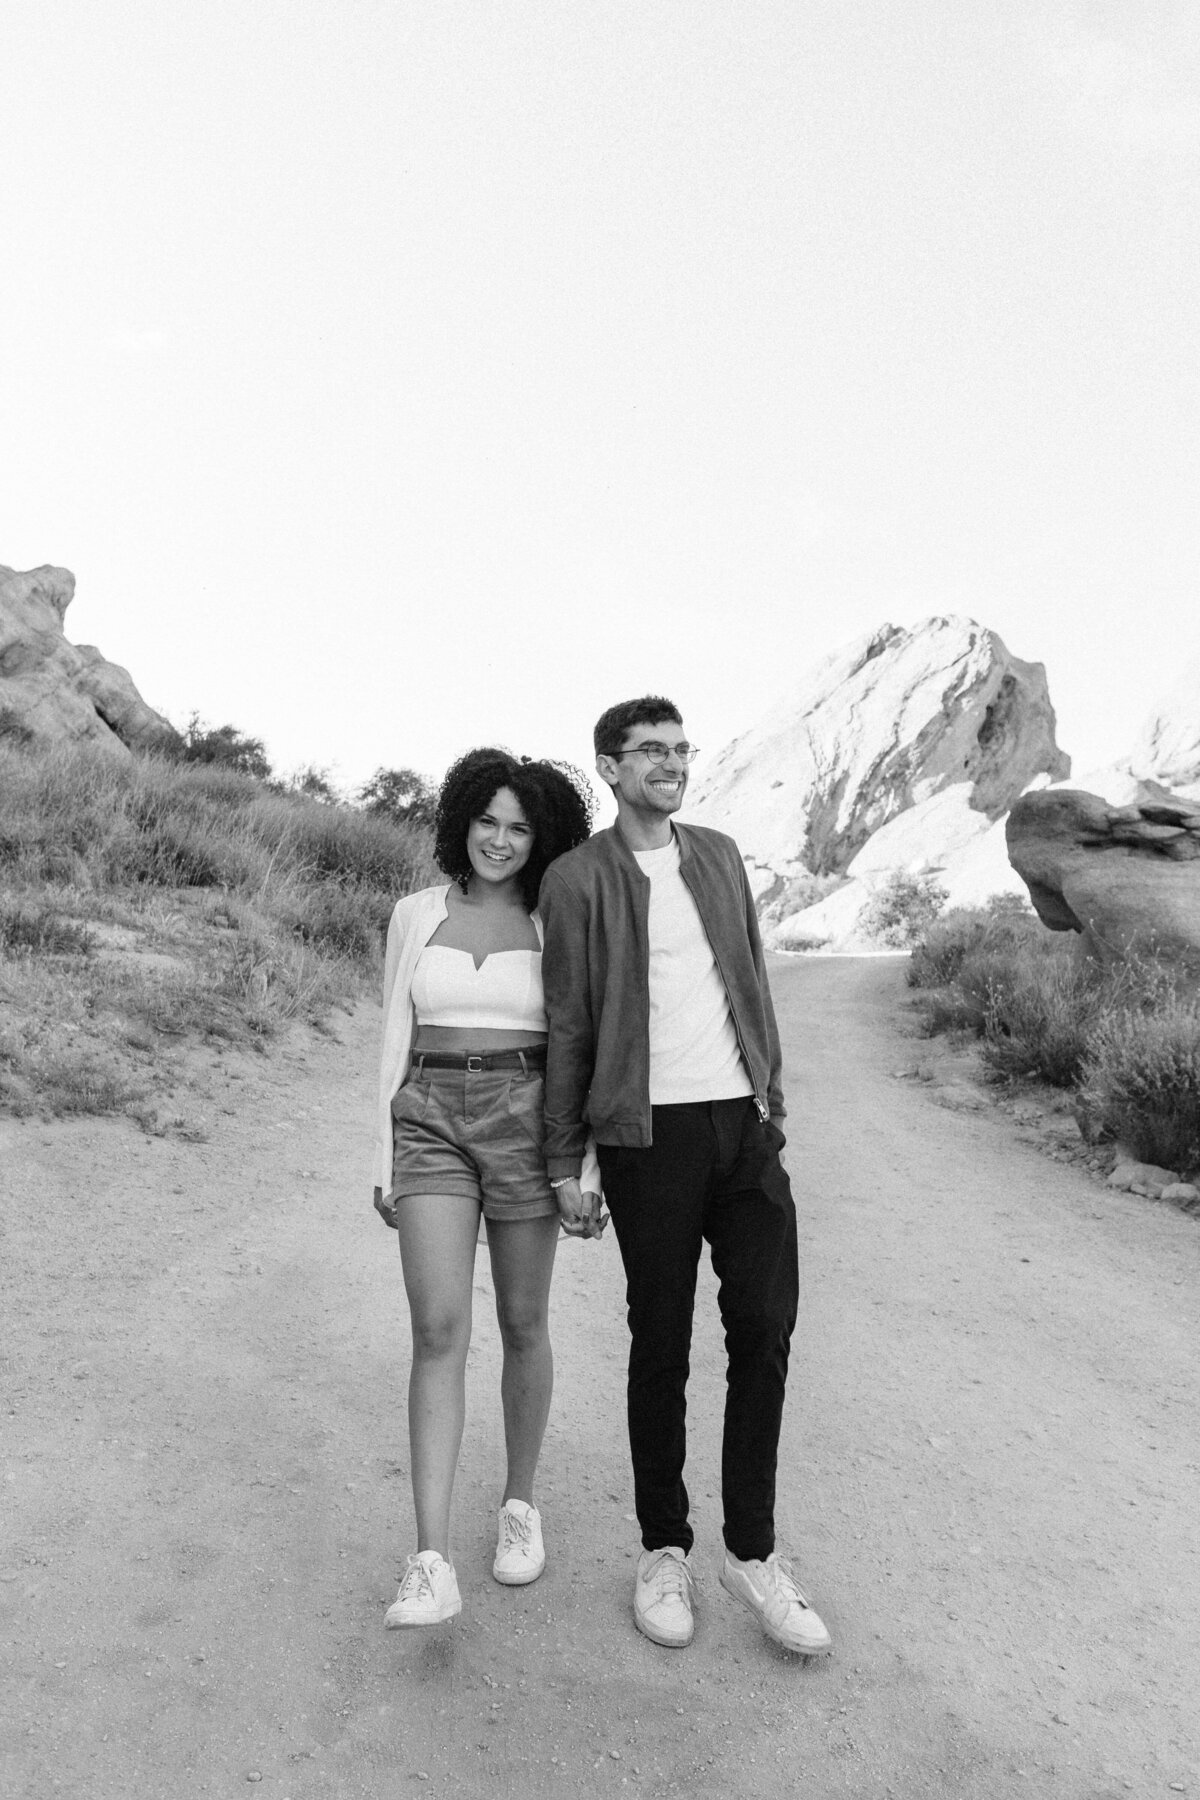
pixel 640 783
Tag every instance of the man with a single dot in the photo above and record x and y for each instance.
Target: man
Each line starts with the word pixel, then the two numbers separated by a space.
pixel 663 1045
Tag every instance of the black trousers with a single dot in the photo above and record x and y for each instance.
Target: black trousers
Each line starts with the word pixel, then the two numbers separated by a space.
pixel 712 1173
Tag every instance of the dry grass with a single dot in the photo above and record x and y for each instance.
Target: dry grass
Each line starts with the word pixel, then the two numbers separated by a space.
pixel 1142 1082
pixel 1124 1039
pixel 146 905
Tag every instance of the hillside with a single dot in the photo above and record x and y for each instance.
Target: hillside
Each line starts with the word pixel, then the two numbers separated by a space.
pixel 150 909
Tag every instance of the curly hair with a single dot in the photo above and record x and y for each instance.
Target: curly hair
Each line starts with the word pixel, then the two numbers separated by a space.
pixel 555 798
pixel 612 726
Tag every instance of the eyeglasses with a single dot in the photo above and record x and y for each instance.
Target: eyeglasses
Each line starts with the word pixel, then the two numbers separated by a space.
pixel 658 753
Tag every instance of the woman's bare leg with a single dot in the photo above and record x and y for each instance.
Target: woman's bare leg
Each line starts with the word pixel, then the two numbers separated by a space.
pixel 522 1253
pixel 437 1248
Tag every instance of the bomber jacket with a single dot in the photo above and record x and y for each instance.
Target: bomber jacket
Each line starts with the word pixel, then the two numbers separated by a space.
pixel 595 908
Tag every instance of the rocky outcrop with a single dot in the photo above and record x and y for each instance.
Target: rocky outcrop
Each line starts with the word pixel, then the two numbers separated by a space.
pixel 52 691
pixel 881 727
pixel 1127 878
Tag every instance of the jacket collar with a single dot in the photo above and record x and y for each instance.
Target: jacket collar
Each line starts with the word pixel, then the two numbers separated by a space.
pixel 629 856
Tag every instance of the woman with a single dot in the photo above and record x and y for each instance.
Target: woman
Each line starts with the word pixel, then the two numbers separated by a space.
pixel 460 1133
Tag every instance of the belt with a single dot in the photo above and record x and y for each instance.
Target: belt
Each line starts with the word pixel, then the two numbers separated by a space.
pixel 525 1060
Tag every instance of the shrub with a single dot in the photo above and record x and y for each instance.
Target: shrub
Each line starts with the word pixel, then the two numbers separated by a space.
pixel 1039 1018
pixel 43 930
pixel 939 955
pixel 67 1082
pixel 1121 1036
pixel 400 795
pixel 340 918
pixel 1008 906
pixel 339 844
pixel 226 746
pixel 971 958
pixel 1142 1082
pixel 310 781
pixel 902 909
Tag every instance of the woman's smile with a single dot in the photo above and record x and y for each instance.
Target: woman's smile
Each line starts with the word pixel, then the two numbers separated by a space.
pixel 500 840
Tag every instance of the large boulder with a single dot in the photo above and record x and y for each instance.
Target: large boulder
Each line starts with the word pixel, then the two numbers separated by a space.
pixel 883 726
pixel 54 692
pixel 1127 878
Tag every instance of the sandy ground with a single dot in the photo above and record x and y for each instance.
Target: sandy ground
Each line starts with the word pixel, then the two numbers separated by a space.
pixel 989 1474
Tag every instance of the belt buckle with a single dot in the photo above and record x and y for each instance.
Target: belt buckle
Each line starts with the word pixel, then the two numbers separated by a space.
pixel 475 1065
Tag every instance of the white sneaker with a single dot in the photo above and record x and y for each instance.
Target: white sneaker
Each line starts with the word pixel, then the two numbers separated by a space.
pixel 771 1591
pixel 428 1594
pixel 520 1555
pixel 662 1597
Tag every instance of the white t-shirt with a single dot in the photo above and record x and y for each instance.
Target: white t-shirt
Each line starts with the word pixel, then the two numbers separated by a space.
pixel 694 1051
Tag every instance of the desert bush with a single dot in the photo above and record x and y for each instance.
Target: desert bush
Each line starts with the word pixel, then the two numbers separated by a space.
pixel 1008 906
pixel 948 1009
pixel 42 929
pixel 805 942
pixel 1039 1019
pixel 400 795
pixel 902 909
pixel 64 1081
pixel 1141 1081
pixel 360 849
pixel 313 782
pixel 341 918
pixel 971 959
pixel 1121 1036
pixel 940 952
pixel 965 934
pixel 224 745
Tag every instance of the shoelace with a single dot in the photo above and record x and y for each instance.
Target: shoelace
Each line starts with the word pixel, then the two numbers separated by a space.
pixel 418 1582
pixel 786 1581
pixel 671 1577
pixel 518 1532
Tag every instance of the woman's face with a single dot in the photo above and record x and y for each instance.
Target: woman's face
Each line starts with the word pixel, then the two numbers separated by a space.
pixel 500 839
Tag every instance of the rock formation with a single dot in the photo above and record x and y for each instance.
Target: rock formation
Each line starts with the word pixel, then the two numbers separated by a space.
pixel 938 717
pixel 52 691
pixel 1124 877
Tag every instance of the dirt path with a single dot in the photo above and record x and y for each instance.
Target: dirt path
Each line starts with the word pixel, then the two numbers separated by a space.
pixel 989 1477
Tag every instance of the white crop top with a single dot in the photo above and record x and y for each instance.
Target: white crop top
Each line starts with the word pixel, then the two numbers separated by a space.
pixel 503 994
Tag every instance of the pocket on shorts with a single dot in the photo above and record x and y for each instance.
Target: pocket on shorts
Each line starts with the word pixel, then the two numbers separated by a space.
pixel 527 1107
pixel 410 1101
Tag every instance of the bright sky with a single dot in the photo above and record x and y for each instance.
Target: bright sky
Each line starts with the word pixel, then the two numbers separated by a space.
pixel 401 375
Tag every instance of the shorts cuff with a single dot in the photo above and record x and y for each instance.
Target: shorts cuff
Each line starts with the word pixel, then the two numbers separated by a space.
pixel 452 1187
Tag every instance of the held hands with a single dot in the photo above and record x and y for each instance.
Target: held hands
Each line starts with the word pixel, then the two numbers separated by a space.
pixel 582 1214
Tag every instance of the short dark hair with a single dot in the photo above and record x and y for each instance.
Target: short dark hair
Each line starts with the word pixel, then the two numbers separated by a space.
pixel 614 726
pixel 554 796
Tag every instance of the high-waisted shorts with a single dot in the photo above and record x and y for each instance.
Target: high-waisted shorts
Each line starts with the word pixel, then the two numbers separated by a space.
pixel 476 1133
